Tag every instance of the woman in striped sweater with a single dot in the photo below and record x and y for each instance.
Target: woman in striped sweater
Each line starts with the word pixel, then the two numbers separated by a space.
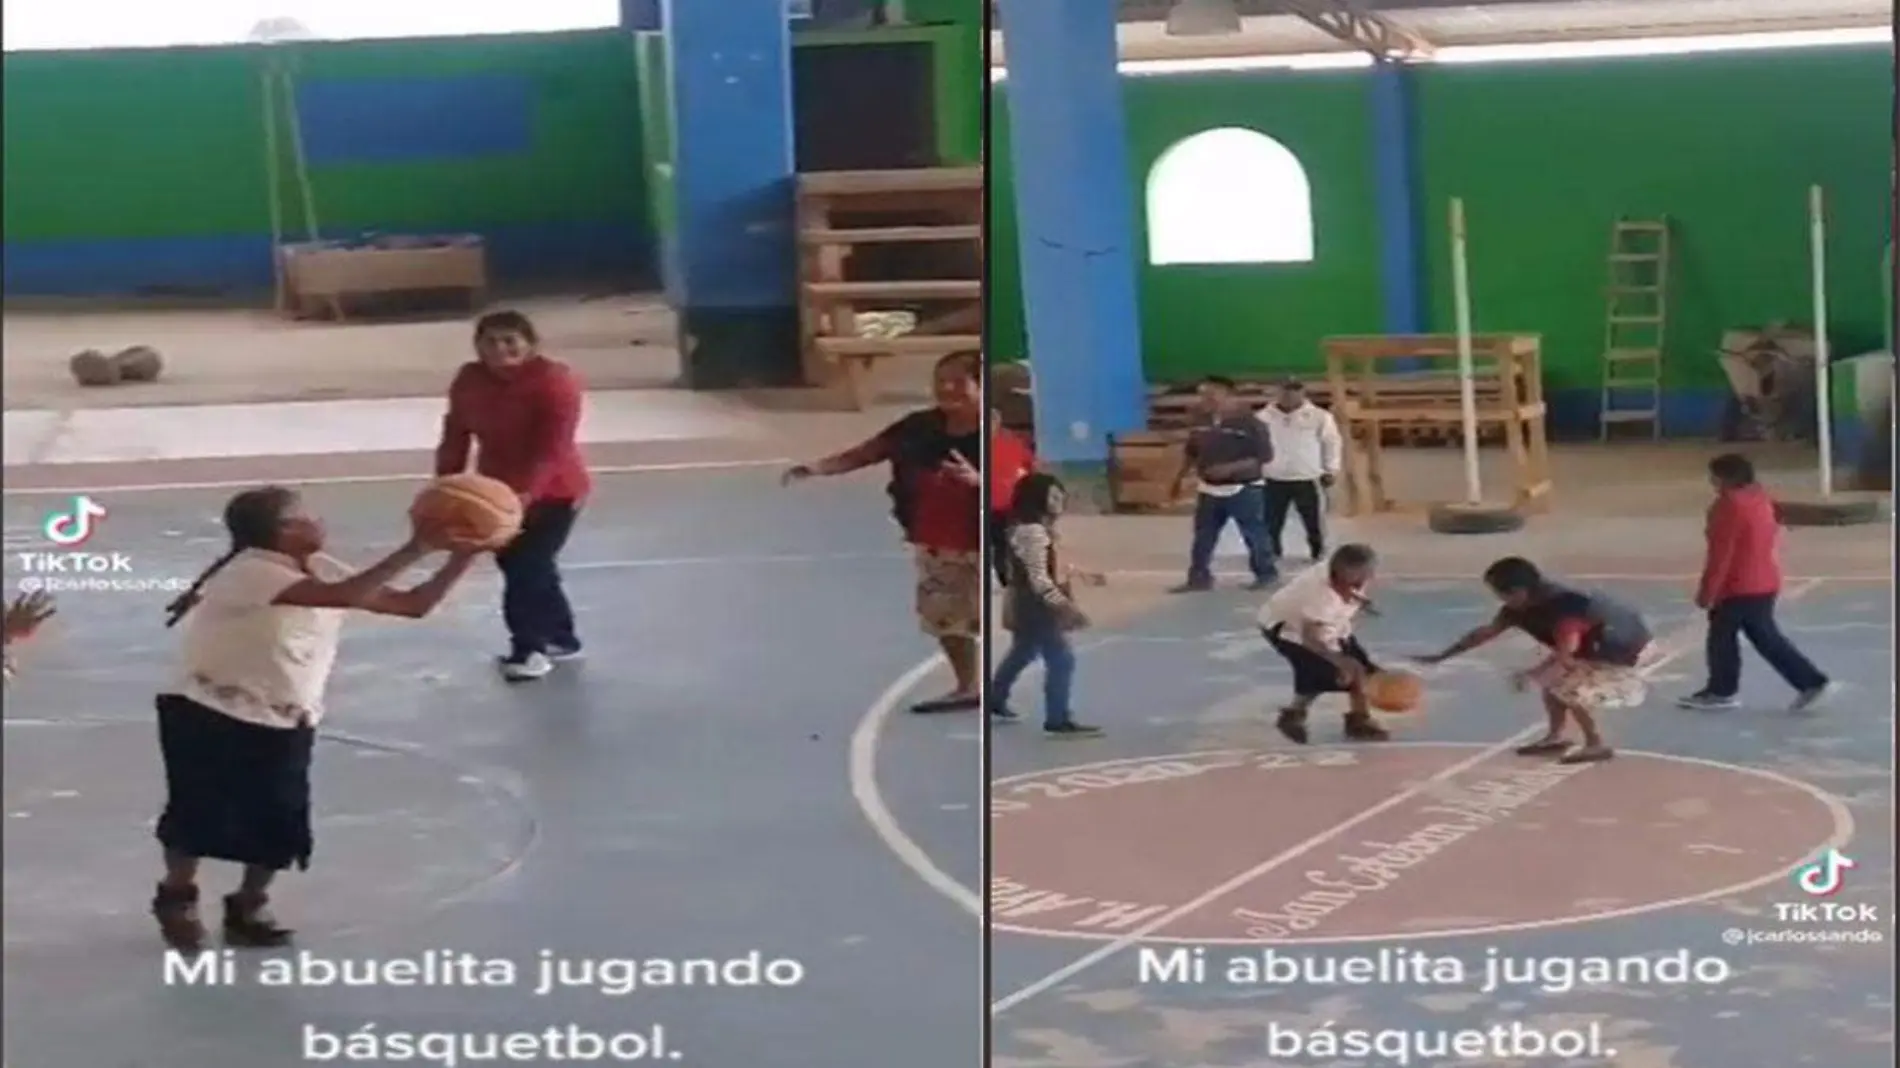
pixel 1039 609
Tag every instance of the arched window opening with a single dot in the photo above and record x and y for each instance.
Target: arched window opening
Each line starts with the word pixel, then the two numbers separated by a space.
pixel 1229 195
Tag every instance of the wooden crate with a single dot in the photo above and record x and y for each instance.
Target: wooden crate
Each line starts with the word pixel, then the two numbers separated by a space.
pixel 320 278
pixel 1141 470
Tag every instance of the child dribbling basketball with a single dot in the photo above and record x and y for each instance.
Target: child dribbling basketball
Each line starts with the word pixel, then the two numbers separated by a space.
pixel 237 729
pixel 1309 622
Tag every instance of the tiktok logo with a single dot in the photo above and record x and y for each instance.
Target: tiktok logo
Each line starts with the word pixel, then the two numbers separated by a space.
pixel 76 525
pixel 1825 876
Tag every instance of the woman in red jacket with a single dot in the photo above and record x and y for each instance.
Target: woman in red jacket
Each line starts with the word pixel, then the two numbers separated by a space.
pixel 936 488
pixel 1741 577
pixel 521 412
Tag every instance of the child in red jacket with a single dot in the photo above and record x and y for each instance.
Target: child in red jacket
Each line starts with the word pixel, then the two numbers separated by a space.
pixel 1011 459
pixel 1741 578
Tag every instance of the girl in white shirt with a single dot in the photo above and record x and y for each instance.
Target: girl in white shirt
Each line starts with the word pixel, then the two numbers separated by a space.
pixel 1309 622
pixel 237 729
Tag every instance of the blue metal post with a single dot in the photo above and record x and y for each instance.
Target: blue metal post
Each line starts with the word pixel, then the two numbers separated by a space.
pixel 1395 181
pixel 730 67
pixel 1075 207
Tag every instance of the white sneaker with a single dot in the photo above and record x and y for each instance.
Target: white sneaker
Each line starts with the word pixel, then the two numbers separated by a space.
pixel 1813 699
pixel 527 668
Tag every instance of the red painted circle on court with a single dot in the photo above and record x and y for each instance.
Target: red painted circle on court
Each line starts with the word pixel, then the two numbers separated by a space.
pixel 1384 842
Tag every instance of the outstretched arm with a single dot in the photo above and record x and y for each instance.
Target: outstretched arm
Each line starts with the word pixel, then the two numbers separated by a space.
pixel 1474 638
pixel 867 453
pixel 356 591
pixel 418 601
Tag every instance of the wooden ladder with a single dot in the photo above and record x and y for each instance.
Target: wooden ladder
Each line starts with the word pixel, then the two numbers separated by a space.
pixel 1635 325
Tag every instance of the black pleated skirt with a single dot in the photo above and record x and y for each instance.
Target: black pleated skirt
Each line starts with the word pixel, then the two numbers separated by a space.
pixel 1313 674
pixel 234 791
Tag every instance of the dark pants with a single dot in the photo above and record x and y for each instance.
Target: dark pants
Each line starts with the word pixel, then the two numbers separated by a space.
pixel 1042 639
pixel 532 602
pixel 1247 510
pixel 1301 497
pixel 1755 617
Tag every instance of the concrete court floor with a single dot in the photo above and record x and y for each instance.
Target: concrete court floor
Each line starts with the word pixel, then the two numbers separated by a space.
pixel 681 793
pixel 1132 852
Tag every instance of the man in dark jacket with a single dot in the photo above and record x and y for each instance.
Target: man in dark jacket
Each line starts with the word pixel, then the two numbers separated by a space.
pixel 1229 454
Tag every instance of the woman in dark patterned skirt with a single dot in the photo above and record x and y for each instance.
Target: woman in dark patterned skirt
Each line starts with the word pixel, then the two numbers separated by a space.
pixel 237 729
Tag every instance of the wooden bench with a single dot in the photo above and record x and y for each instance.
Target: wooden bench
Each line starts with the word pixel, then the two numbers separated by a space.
pixel 842 212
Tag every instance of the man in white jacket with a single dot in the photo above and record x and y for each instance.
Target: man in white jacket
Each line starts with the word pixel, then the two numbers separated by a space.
pixel 1306 451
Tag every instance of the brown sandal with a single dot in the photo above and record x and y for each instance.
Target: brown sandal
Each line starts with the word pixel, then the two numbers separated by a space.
pixel 1292 724
pixel 1589 754
pixel 176 910
pixel 1546 747
pixel 248 923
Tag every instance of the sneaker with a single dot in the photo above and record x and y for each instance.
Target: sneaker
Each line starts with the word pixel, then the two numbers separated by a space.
pixel 526 668
pixel 1365 729
pixel 1071 730
pixel 1704 701
pixel 1193 586
pixel 565 651
pixel 1263 583
pixel 1812 699
pixel 1003 714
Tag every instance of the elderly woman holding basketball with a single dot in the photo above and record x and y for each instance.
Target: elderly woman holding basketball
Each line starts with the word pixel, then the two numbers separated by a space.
pixel 237 727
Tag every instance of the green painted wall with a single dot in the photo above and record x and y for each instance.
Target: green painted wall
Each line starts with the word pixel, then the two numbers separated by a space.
pixel 1726 145
pixel 146 169
pixel 1545 156
pixel 170 142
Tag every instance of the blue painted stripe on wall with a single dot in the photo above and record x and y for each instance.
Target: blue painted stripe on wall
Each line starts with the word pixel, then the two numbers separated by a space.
pixel 606 251
pixel 399 120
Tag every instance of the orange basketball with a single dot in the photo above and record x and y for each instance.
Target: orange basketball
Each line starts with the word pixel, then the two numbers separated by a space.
pixel 1395 691
pixel 468 511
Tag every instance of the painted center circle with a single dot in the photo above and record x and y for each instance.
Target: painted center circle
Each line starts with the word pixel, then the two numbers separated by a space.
pixel 1399 841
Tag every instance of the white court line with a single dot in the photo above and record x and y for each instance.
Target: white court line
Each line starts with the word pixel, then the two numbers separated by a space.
pixel 1843 832
pixel 862 774
pixel 1133 938
pixel 343 480
pixel 870 798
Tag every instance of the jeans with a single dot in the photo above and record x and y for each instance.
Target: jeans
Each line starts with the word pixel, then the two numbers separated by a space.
pixel 1050 644
pixel 1753 616
pixel 533 604
pixel 1248 511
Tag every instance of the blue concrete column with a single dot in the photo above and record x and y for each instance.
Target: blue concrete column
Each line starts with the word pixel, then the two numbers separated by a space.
pixel 1075 209
pixel 1396 189
pixel 729 64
